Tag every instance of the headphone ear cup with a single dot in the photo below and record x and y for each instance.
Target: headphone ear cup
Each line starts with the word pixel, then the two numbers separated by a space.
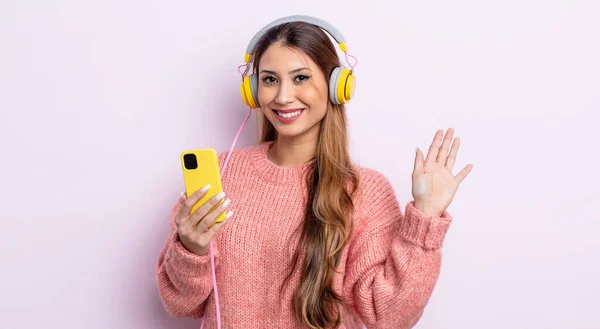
pixel 341 85
pixel 249 91
pixel 254 89
pixel 345 86
pixel 243 93
pixel 333 84
pixel 350 87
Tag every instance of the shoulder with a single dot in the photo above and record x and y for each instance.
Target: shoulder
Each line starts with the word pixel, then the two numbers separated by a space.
pixel 372 186
pixel 371 180
pixel 374 199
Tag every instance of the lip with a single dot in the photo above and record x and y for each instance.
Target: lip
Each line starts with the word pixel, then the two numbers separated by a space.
pixel 288 120
pixel 288 110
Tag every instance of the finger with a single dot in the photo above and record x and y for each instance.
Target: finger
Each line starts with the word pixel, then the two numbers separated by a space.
pixel 204 209
pixel 463 173
pixel 191 201
pixel 212 230
pixel 209 219
pixel 434 147
pixel 188 203
pixel 443 154
pixel 182 198
pixel 418 161
pixel 452 157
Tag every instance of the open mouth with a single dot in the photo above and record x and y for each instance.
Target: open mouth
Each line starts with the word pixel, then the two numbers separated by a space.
pixel 288 114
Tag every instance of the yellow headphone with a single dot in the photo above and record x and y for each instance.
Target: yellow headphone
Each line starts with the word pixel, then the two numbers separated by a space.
pixel 342 82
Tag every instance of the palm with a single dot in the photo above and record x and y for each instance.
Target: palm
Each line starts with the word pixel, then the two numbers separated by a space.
pixel 434 185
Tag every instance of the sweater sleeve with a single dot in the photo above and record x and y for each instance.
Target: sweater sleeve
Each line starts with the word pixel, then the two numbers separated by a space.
pixel 394 259
pixel 184 279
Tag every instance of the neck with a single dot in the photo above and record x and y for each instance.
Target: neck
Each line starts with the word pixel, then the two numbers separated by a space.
pixel 287 152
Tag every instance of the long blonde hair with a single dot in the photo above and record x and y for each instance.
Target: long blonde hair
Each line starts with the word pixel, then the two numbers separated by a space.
pixel 331 181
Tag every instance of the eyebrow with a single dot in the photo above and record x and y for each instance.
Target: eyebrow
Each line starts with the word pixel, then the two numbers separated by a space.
pixel 290 72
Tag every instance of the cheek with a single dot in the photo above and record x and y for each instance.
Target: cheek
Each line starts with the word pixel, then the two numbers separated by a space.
pixel 265 95
pixel 317 98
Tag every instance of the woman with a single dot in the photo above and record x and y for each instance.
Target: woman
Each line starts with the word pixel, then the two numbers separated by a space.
pixel 317 241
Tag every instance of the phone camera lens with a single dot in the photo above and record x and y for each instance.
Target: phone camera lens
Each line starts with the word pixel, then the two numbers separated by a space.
pixel 190 161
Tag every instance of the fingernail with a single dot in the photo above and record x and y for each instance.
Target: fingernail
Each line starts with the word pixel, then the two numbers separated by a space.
pixel 226 203
pixel 220 196
pixel 205 188
pixel 229 214
pixel 182 194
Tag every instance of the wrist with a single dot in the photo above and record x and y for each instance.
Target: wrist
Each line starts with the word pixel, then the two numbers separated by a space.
pixel 189 247
pixel 428 210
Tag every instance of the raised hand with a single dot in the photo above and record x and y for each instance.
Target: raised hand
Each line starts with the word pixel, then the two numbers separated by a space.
pixel 433 184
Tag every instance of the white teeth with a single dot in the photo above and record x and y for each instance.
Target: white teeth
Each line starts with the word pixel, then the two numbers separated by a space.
pixel 288 115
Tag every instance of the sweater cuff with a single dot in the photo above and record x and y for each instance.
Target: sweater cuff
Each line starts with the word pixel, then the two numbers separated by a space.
pixel 425 231
pixel 186 261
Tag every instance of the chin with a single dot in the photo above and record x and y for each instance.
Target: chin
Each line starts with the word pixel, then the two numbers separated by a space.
pixel 290 132
pixel 298 128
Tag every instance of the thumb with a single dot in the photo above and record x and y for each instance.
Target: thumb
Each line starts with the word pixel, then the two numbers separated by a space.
pixel 418 160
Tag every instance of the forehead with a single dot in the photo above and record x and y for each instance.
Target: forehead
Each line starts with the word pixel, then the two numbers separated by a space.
pixel 278 56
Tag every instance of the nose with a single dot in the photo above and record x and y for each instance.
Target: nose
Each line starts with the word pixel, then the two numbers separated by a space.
pixel 285 94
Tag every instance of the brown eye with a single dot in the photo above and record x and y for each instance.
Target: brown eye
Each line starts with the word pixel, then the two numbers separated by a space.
pixel 269 79
pixel 302 77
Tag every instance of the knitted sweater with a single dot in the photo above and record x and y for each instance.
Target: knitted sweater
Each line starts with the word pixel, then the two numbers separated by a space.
pixel 387 272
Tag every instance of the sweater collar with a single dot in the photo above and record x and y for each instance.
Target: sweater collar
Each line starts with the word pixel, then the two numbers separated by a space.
pixel 275 174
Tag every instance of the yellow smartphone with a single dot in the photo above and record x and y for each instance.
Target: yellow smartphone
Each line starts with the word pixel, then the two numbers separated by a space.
pixel 201 167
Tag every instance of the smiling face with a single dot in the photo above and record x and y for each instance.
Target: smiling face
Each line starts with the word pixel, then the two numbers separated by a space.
pixel 292 92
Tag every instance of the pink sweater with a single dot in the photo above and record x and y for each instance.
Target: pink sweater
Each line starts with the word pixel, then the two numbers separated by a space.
pixel 387 272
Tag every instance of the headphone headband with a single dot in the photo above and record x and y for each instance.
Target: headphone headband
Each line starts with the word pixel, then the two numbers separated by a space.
pixel 296 18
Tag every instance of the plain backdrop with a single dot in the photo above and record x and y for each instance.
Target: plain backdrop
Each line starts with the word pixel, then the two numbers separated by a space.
pixel 99 98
